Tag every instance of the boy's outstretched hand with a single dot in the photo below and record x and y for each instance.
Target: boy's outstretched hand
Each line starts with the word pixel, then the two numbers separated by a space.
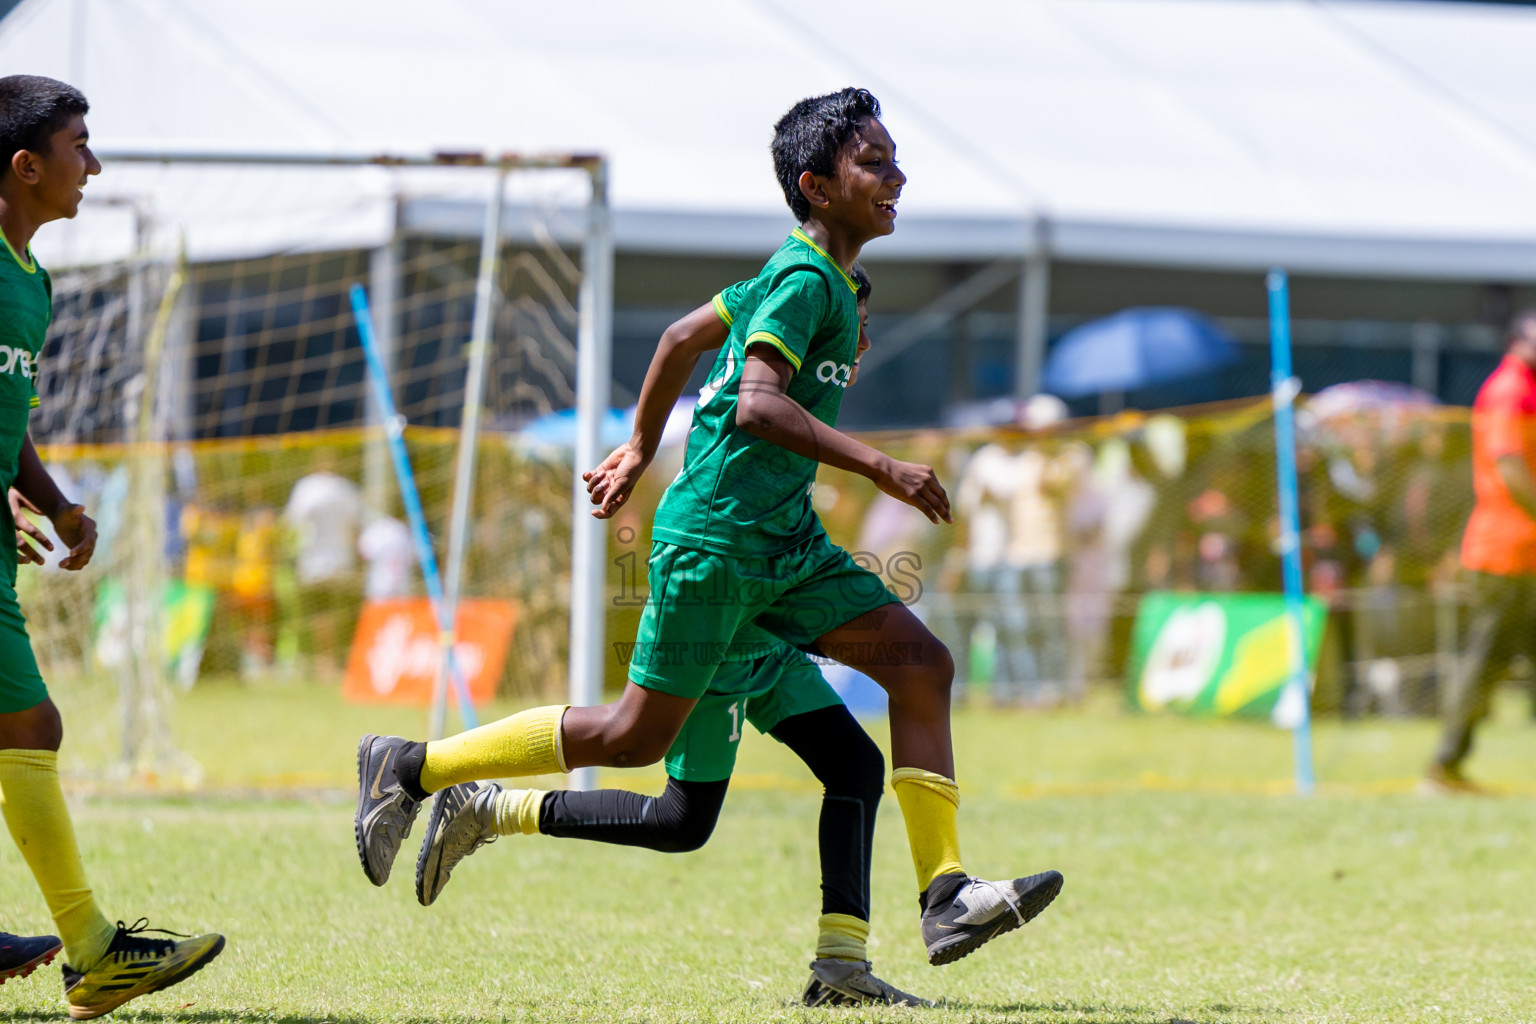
pixel 25 552
pixel 610 483
pixel 917 485
pixel 78 530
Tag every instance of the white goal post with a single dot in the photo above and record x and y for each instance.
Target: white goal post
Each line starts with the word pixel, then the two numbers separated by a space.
pixel 584 223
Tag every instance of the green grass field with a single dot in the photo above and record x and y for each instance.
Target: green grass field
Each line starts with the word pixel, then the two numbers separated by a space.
pixel 1195 891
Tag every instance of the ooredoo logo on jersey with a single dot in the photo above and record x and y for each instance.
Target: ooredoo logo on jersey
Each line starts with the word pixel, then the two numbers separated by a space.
pixel 830 372
pixel 17 360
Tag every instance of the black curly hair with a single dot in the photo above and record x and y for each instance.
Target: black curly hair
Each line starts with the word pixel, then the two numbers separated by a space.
pixel 31 109
pixel 810 135
pixel 861 278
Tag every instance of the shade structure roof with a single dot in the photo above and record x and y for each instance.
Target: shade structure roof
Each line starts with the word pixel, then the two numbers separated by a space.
pixel 1391 138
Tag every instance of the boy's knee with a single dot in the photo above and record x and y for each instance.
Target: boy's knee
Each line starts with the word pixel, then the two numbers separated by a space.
pixel 689 834
pixel 866 770
pixel 685 815
pixel 36 728
pixel 935 671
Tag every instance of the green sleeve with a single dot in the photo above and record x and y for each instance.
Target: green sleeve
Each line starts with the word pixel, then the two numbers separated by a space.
pixel 729 300
pixel 791 313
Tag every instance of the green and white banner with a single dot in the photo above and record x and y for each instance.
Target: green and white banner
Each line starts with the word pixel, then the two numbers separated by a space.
pixel 186 612
pixel 1215 655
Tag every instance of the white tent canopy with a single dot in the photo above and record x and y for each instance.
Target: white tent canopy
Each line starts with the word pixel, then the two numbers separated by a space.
pixel 1348 137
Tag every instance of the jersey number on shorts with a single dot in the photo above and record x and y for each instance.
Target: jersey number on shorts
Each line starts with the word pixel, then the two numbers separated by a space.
pixel 736 710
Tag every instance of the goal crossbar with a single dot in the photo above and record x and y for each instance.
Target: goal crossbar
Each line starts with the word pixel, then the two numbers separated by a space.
pixel 593 164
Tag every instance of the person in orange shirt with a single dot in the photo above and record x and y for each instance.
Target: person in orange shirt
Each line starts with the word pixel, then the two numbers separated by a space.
pixel 1498 549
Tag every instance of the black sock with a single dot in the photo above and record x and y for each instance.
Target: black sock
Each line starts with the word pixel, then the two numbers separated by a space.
pixel 408 770
pixel 850 768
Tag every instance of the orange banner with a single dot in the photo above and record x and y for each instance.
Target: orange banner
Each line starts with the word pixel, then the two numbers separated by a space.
pixel 395 650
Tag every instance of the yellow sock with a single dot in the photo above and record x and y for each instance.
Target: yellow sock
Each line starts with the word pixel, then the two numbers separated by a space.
pixel 33 805
pixel 842 937
pixel 928 803
pixel 527 743
pixel 517 812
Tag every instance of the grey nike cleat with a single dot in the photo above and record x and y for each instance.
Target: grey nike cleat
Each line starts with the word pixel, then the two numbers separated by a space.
pixel 385 811
pixel 463 819
pixel 852 983
pixel 961 913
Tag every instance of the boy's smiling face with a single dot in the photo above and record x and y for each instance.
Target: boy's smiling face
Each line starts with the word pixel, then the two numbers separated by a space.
pixel 58 175
pixel 861 195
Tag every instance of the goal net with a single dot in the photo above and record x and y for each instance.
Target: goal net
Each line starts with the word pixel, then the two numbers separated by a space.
pixel 204 393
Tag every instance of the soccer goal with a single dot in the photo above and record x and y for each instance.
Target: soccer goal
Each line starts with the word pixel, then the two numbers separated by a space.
pixel 205 393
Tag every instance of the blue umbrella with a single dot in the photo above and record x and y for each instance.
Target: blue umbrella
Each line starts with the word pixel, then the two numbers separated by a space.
pixel 1136 348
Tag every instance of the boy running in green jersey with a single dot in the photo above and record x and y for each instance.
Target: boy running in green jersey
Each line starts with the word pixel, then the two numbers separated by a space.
pixel 763 681
pixel 737 541
pixel 46 161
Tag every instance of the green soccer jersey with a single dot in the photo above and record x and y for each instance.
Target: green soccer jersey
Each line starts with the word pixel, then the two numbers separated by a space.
pixel 26 306
pixel 738 494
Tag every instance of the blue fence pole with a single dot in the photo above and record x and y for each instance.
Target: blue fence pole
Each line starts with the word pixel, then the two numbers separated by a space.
pixel 394 427
pixel 1284 389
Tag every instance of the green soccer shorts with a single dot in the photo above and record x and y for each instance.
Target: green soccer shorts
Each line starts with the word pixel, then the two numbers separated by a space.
pixel 765 692
pixel 699 601
pixel 21 684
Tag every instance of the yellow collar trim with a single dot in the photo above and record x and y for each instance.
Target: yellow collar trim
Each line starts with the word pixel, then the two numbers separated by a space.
pixel 29 264
pixel 802 236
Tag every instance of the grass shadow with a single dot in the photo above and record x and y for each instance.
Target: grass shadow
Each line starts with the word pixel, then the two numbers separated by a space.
pixel 208 1016
pixel 1218 1013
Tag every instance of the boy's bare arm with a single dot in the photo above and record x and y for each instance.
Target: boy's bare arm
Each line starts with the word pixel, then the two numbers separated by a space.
pixel 34 483
pixel 764 408
pixel 676 355
pixel 75 528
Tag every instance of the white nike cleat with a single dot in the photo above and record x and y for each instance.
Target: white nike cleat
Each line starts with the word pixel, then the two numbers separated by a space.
pixel 463 819
pixel 961 913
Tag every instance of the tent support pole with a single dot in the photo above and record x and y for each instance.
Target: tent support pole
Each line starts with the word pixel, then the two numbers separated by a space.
pixel 1034 313
pixel 383 278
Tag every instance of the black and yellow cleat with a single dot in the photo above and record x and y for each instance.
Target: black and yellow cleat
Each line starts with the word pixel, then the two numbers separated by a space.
pixel 20 955
pixel 135 965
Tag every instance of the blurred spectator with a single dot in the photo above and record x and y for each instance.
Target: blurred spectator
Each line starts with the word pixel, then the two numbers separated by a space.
pixel 987 489
pixel 1042 411
pixel 1161 455
pixel 324 512
pixel 251 584
pixel 385 545
pixel 1127 504
pixel 1087 599
pixel 1429 511
pixel 1032 579
pixel 1498 547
